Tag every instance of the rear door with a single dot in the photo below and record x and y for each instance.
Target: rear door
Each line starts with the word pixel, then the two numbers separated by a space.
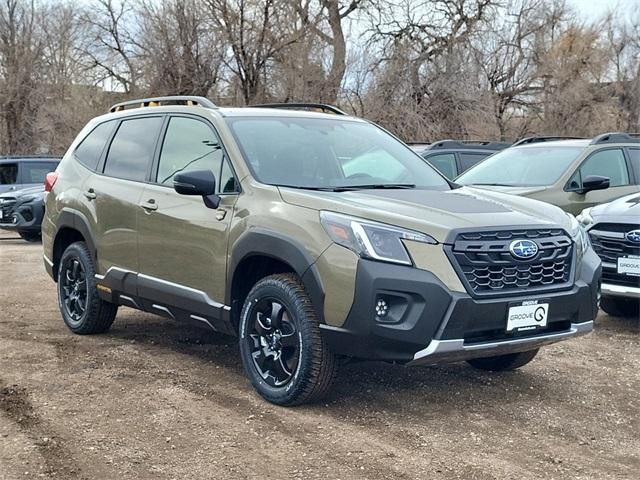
pixel 34 173
pixel 116 193
pixel 181 240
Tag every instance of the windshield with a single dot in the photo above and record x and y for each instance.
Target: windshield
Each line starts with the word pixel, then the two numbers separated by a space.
pixel 522 167
pixel 328 154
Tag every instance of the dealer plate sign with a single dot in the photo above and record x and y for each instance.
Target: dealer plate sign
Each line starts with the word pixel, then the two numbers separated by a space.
pixel 528 316
pixel 629 266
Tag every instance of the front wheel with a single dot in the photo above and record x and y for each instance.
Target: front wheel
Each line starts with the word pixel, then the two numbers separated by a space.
pixel 82 309
pixel 30 236
pixel 501 363
pixel 283 352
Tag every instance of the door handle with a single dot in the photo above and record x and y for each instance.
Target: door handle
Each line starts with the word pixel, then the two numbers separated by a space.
pixel 149 205
pixel 90 194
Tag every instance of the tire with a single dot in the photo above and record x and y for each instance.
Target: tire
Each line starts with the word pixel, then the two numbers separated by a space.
pixel 83 311
pixel 278 313
pixel 30 236
pixel 621 307
pixel 501 363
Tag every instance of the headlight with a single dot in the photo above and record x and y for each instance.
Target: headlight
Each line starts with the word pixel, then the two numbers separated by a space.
pixel 585 218
pixel 371 239
pixel 580 237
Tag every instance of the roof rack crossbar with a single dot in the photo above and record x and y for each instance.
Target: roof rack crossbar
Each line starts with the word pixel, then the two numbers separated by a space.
pixel 616 137
pixel 468 144
pixel 160 101
pixel 528 140
pixel 303 106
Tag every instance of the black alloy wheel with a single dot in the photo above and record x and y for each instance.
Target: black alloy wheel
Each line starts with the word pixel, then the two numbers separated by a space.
pixel 73 289
pixel 273 341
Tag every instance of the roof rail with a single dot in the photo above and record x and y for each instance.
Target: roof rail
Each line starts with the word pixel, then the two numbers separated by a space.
pixel 37 156
pixel 528 140
pixel 468 145
pixel 616 137
pixel 161 101
pixel 323 107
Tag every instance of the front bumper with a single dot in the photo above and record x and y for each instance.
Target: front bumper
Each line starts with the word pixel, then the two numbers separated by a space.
pixel 430 324
pixel 24 218
pixel 612 290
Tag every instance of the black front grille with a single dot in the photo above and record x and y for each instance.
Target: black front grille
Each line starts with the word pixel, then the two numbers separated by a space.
pixel 610 243
pixel 487 267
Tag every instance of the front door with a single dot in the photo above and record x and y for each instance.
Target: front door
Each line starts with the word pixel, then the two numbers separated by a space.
pixel 610 163
pixel 183 243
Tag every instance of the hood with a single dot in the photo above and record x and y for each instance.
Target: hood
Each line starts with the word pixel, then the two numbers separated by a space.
pixel 435 213
pixel 524 191
pixel 24 192
pixel 625 210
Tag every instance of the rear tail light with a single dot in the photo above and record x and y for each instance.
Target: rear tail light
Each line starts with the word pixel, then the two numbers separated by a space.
pixel 50 181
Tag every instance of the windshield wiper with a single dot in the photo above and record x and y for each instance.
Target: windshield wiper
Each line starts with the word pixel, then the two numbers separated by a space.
pixel 492 184
pixel 375 186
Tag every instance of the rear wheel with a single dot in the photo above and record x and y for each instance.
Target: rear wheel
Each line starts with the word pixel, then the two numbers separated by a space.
pixel 82 309
pixel 282 349
pixel 621 307
pixel 500 363
pixel 30 236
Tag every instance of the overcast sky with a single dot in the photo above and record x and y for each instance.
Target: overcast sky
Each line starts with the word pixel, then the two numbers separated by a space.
pixel 592 9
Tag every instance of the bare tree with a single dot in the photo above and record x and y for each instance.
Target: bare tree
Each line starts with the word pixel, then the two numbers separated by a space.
pixel 21 74
pixel 112 51
pixel 182 52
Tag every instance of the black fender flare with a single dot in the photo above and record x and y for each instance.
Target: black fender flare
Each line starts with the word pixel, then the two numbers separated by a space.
pixel 76 220
pixel 263 242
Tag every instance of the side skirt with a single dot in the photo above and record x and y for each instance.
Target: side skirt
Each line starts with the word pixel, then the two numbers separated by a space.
pixel 167 299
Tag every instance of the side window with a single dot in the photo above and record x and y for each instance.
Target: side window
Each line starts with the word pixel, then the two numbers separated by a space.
pixel 605 163
pixel 89 151
pixel 445 163
pixel 189 144
pixel 634 155
pixel 34 172
pixel 227 182
pixel 468 160
pixel 8 173
pixel 131 150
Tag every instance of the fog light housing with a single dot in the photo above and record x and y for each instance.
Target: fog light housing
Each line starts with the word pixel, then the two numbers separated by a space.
pixel 382 307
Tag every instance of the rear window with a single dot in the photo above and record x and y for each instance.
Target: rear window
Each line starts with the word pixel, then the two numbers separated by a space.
pixel 131 151
pixel 89 151
pixel 34 172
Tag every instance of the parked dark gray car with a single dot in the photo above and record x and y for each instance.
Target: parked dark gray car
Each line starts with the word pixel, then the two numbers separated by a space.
pixel 22 211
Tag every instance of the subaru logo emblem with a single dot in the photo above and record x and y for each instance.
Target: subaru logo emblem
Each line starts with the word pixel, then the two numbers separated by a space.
pixel 634 236
pixel 523 249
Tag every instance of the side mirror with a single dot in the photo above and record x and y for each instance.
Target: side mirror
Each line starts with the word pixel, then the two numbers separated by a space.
pixel 594 182
pixel 198 182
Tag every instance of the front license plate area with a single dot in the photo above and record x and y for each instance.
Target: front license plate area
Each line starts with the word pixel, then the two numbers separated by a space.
pixel 529 315
pixel 629 266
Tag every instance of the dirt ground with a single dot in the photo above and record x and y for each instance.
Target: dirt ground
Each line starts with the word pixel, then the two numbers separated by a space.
pixel 154 400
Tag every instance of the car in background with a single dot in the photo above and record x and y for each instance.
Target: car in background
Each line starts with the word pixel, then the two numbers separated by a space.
pixel 18 172
pixel 571 173
pixel 614 229
pixel 452 157
pixel 22 211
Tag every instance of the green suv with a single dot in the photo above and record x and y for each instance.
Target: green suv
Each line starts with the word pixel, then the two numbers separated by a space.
pixel 573 174
pixel 313 237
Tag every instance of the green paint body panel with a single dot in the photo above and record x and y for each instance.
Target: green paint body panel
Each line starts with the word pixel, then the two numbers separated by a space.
pixel 185 243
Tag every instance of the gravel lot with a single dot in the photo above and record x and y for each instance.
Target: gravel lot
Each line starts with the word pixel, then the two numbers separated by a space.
pixel 154 400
